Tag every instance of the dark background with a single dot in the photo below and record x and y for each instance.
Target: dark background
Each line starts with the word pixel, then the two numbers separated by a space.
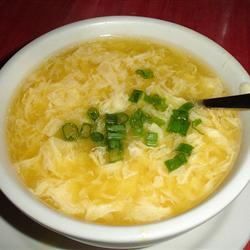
pixel 225 21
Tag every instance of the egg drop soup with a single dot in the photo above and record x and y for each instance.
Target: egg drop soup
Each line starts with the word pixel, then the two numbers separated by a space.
pixel 108 131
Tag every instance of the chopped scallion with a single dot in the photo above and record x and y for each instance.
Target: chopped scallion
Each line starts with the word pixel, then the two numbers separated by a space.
pixel 97 136
pixel 115 155
pixel 85 130
pixel 176 162
pixel 70 131
pixel 135 96
pixel 145 73
pixel 146 117
pixel 196 122
pixel 117 128
pixel 138 131
pixel 136 121
pixel 185 149
pixel 178 124
pixel 151 139
pixel 186 106
pixel 115 135
pixel 158 121
pixel 180 114
pixel 179 120
pixel 93 113
pixel 114 144
pixel 158 102
pixel 122 118
pixel 111 118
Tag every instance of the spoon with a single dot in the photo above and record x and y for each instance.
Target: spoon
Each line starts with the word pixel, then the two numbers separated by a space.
pixel 235 101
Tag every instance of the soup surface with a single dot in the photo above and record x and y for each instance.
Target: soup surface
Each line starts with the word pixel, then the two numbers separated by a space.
pixel 139 172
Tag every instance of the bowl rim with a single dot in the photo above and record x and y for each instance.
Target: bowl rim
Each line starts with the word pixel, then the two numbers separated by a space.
pixel 121 234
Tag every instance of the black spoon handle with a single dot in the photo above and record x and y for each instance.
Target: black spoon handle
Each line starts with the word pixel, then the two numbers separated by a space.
pixel 236 101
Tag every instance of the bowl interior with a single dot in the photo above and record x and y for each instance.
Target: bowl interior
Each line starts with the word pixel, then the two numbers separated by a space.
pixel 34 53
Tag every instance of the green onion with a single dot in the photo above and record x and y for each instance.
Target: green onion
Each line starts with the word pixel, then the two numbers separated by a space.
pixel 115 132
pixel 135 96
pixel 122 118
pixel 179 120
pixel 152 119
pixel 185 149
pixel 115 155
pixel 145 73
pixel 151 139
pixel 158 121
pixel 115 135
pixel 137 118
pixel 158 102
pixel 97 136
pixel 111 118
pixel 181 114
pixel 138 131
pixel 186 106
pixel 116 128
pixel 196 122
pixel 178 123
pixel 93 113
pixel 85 130
pixel 176 162
pixel 114 144
pixel 136 121
pixel 146 117
pixel 70 131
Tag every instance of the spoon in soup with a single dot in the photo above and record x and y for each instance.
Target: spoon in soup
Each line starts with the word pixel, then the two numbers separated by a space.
pixel 235 101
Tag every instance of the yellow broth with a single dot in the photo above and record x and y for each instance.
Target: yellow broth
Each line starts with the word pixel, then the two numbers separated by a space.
pixel 75 177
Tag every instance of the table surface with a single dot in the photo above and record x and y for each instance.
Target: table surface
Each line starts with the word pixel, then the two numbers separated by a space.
pixel 227 22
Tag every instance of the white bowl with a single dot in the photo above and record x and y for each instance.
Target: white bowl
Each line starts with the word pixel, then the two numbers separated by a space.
pixel 117 236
